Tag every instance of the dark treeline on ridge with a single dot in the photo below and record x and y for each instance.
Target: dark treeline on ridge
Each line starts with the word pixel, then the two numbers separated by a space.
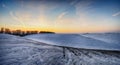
pixel 23 33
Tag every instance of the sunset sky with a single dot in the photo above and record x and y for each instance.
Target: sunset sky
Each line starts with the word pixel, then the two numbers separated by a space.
pixel 61 16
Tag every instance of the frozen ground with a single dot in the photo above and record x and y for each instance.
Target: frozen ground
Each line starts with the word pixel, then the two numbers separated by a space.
pixel 87 41
pixel 21 51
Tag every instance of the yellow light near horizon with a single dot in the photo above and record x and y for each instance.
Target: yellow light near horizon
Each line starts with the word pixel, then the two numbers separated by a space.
pixel 65 30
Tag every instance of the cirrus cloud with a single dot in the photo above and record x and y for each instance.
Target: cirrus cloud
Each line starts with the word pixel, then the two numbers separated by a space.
pixel 116 14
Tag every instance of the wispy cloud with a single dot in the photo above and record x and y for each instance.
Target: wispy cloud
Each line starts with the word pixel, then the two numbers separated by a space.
pixel 62 15
pixel 116 14
pixel 83 6
pixel 13 16
pixel 21 16
pixel 73 2
pixel 81 17
pixel 17 18
pixel 82 9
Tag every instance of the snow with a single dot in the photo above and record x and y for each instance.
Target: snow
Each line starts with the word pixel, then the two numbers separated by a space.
pixel 106 37
pixel 15 50
pixel 87 41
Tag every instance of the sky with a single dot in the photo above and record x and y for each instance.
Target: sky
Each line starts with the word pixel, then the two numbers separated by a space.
pixel 61 16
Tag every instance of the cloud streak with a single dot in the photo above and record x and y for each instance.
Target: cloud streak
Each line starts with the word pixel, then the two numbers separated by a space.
pixel 116 14
pixel 62 15
pixel 83 8
pixel 16 18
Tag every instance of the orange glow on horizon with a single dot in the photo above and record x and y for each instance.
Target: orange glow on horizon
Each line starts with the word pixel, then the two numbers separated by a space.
pixel 64 30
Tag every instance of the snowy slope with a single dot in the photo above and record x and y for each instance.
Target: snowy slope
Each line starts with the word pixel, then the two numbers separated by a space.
pixel 77 41
pixel 106 37
pixel 21 51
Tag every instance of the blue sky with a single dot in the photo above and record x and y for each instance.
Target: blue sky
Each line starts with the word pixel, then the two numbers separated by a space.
pixel 64 16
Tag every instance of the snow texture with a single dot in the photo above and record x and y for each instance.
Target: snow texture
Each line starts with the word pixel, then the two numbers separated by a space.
pixel 16 50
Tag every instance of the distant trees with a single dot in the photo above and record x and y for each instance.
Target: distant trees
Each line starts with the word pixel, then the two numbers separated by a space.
pixel 2 30
pixel 22 33
pixel 46 32
pixel 5 30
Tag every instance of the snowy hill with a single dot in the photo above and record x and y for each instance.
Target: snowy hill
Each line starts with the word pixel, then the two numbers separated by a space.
pixel 87 41
pixel 16 50
pixel 106 37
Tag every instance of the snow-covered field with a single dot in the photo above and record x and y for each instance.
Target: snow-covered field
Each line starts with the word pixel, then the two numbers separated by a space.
pixel 88 41
pixel 106 37
pixel 15 50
